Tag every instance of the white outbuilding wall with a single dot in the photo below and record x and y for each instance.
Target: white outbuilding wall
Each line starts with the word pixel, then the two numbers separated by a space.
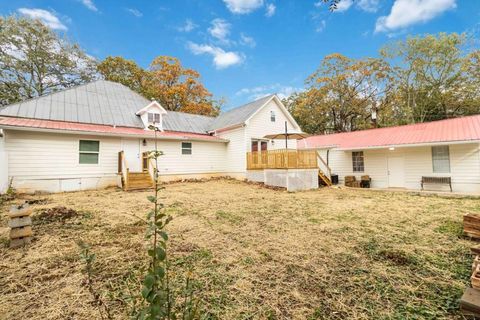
pixel 464 166
pixel 3 164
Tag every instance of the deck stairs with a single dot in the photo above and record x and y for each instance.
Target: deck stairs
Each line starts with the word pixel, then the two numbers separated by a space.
pixel 322 168
pixel 139 181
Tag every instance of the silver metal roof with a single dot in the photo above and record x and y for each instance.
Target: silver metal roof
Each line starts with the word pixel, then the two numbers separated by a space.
pixel 98 102
pixel 109 103
pixel 238 115
pixel 186 122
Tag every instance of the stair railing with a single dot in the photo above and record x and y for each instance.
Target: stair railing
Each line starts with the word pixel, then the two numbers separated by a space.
pixel 123 168
pixel 324 167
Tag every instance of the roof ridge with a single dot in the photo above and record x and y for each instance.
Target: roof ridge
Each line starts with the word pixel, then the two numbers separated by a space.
pixel 249 103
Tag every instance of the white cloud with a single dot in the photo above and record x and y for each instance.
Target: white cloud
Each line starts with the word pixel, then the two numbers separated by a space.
pixel 320 26
pixel 263 91
pixel 220 29
pixel 135 12
pixel 47 17
pixel 243 6
pixel 247 41
pixel 270 10
pixel 369 5
pixel 221 59
pixel 89 4
pixel 188 26
pixel 344 5
pixel 405 13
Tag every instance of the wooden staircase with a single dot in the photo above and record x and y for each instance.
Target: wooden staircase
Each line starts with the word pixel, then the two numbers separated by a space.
pixel 138 181
pixel 323 177
pixel 326 180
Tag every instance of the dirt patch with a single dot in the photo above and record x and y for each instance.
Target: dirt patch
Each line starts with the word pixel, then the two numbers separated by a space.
pixel 56 214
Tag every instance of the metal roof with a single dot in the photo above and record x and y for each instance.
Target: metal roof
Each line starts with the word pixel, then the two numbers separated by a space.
pixel 98 102
pixel 238 115
pixel 443 131
pixel 186 122
pixel 109 103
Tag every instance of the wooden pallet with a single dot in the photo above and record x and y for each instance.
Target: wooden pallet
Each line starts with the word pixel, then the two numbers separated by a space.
pixel 470 302
pixel 471 225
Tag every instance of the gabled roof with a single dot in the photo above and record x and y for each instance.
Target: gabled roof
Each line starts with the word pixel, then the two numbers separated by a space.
pixel 238 115
pixel 109 103
pixel 443 131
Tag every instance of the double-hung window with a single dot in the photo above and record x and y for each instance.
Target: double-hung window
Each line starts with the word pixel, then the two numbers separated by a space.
pixel 358 161
pixel 89 151
pixel 153 117
pixel 272 116
pixel 186 148
pixel 441 159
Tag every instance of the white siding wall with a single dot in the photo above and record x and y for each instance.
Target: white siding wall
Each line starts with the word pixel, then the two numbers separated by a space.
pixel 50 162
pixel 235 162
pixel 206 157
pixel 3 166
pixel 464 166
pixel 260 126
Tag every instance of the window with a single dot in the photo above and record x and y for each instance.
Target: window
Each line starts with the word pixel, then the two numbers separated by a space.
pixel 441 159
pixel 154 117
pixel 254 145
pixel 264 145
pixel 357 160
pixel 272 116
pixel 89 151
pixel 186 148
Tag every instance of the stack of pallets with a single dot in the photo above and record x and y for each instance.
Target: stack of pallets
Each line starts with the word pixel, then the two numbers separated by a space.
pixel 470 301
pixel 351 181
pixel 471 225
pixel 20 225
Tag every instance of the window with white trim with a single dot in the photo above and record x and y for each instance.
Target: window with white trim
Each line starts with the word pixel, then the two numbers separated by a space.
pixel 272 116
pixel 186 148
pixel 358 161
pixel 153 117
pixel 89 151
pixel 441 159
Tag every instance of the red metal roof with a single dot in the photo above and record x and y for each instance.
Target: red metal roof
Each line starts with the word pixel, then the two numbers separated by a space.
pixel 450 130
pixel 101 129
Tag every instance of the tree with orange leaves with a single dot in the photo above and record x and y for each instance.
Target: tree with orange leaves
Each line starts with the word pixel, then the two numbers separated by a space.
pixel 167 81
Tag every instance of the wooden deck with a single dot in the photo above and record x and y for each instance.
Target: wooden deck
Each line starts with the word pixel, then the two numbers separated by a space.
pixel 282 159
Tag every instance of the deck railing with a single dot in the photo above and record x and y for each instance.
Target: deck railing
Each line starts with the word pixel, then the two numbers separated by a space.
pixel 282 159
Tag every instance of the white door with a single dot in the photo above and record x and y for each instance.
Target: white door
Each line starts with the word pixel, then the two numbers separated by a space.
pixel 396 172
pixel 131 149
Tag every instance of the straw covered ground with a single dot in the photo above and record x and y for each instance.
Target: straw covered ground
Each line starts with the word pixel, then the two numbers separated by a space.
pixel 253 252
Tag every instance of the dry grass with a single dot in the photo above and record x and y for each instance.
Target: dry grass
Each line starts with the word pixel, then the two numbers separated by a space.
pixel 256 253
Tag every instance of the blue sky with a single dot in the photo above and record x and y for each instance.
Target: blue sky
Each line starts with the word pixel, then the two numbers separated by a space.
pixel 246 48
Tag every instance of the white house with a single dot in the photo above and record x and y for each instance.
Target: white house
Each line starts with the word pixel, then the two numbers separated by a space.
pixel 403 156
pixel 73 139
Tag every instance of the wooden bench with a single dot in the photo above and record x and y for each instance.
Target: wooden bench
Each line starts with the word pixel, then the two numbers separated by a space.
pixel 437 180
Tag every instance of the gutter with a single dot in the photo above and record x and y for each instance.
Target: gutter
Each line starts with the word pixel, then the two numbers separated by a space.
pixel 235 126
pixel 95 133
pixel 405 145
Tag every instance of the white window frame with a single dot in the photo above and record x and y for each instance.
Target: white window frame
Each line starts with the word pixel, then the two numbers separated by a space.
pixel 188 149
pixel 356 155
pixel 272 116
pixel 88 152
pixel 441 159
pixel 154 117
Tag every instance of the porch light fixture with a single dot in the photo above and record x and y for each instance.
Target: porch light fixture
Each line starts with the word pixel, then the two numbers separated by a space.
pixel 144 142
pixel 391 148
